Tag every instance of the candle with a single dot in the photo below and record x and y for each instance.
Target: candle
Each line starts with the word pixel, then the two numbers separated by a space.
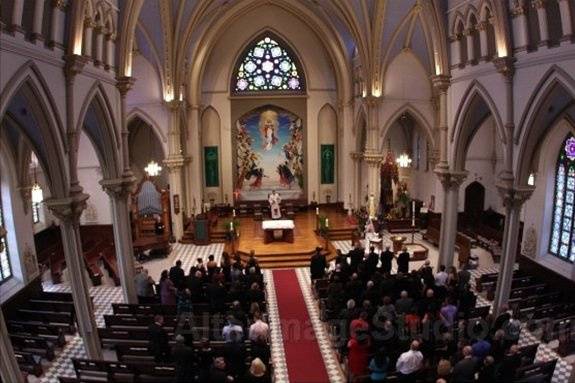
pixel 412 213
pixel 234 213
pixel 327 223
pixel 317 211
pixel 231 225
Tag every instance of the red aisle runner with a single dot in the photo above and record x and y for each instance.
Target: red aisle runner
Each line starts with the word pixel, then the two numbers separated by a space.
pixel 303 357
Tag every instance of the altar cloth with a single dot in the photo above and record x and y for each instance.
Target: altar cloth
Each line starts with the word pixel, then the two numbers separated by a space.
pixel 278 224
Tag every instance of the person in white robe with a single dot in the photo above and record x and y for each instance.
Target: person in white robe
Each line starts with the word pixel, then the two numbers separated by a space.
pixel 274 200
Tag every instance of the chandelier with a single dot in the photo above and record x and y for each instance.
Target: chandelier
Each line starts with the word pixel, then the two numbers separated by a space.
pixel 403 161
pixel 153 169
pixel 37 194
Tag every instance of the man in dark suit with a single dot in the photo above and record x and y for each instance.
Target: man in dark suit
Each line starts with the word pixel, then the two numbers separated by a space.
pixel 371 261
pixel 403 262
pixel 184 360
pixel 317 265
pixel 355 257
pixel 177 275
pixel 386 259
pixel 464 370
pixel 159 345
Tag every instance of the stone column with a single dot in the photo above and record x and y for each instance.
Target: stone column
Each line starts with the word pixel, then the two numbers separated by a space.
pixel 441 84
pixel 68 211
pixel 356 158
pixel 539 5
pixel 108 50
pixel 451 181
pixel 174 163
pixel 98 57
pixel 455 49
pixel 37 36
pixel 119 191
pixel 16 18
pixel 9 370
pixel 194 163
pixel 506 66
pixel 566 25
pixel 124 84
pixel 513 200
pixel 57 24
pixel 483 40
pixel 468 33
pixel 373 160
pixel 87 37
pixel 520 26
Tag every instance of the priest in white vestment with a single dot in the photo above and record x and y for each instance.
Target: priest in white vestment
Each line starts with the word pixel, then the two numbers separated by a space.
pixel 274 199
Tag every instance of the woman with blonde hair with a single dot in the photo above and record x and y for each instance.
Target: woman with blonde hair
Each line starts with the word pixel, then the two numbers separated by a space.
pixel 257 373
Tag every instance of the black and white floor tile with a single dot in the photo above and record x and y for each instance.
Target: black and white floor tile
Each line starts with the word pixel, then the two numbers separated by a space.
pixel 277 348
pixel 330 359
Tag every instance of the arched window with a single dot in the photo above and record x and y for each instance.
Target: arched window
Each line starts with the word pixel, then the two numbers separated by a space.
pixel 5 267
pixel 562 242
pixel 268 65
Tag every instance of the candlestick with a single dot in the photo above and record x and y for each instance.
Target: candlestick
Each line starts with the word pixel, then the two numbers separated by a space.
pixel 234 213
pixel 412 213
pixel 317 211
pixel 326 223
pixel 231 225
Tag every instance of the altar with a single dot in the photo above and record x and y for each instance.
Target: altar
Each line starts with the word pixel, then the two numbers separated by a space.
pixel 279 229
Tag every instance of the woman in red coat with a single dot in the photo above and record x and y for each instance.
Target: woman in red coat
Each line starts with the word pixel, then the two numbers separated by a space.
pixel 359 349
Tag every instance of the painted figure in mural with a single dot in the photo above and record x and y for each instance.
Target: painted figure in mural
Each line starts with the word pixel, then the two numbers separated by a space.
pixel 268 129
pixel 274 199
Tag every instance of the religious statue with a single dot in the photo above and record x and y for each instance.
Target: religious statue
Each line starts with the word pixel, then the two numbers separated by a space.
pixel 274 199
pixel 269 129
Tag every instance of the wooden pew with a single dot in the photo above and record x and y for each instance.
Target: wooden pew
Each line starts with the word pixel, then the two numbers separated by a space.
pixel 137 321
pixel 53 334
pixel 536 371
pixel 432 235
pixel 61 319
pixel 33 344
pixel 29 362
pixel 140 372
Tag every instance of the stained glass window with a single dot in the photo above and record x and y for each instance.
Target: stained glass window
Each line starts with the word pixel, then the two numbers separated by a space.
pixel 5 268
pixel 268 65
pixel 562 241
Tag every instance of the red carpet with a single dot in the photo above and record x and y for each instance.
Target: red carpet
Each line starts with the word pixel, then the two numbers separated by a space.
pixel 303 357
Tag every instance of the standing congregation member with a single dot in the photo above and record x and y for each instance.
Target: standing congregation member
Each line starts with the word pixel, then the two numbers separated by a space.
pixel 403 262
pixel 409 363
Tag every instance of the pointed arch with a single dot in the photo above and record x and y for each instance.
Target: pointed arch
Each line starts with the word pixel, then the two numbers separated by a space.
pixel 291 79
pixel 471 16
pixel 418 117
pixel 142 115
pixel 554 93
pixel 97 121
pixel 485 10
pixel 477 105
pixel 457 22
pixel 46 137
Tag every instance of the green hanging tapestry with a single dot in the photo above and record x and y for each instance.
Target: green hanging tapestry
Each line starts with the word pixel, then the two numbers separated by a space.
pixel 327 163
pixel 211 166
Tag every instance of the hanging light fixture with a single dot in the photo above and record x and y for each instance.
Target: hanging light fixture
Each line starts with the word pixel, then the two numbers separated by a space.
pixel 37 193
pixel 403 161
pixel 153 168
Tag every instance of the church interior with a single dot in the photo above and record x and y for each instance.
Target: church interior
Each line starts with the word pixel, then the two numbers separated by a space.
pixel 299 191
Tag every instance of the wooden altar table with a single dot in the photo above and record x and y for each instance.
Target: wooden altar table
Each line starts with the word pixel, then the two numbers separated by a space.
pixel 271 227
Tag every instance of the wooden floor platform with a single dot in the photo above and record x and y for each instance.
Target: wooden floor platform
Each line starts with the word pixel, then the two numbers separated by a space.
pixel 298 253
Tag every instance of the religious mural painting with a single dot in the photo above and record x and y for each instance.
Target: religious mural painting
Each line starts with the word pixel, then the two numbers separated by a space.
pixel 211 172
pixel 327 153
pixel 269 154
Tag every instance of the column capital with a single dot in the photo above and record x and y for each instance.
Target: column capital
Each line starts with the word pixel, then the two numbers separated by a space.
pixel 174 104
pixel 356 156
pixel 514 197
pixel 68 209
pixel 505 66
pixel 74 64
pixel 469 31
pixel 482 26
pixel 441 82
pixel 371 100
pixel 60 4
pixel 450 179
pixel 119 188
pixel 124 84
pixel 538 4
pixel 517 9
pixel 174 162
pixel 372 158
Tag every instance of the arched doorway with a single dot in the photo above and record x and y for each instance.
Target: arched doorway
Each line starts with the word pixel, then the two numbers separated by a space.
pixel 474 201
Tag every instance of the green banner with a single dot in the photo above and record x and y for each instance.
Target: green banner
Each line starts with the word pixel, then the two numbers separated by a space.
pixel 211 166
pixel 327 164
